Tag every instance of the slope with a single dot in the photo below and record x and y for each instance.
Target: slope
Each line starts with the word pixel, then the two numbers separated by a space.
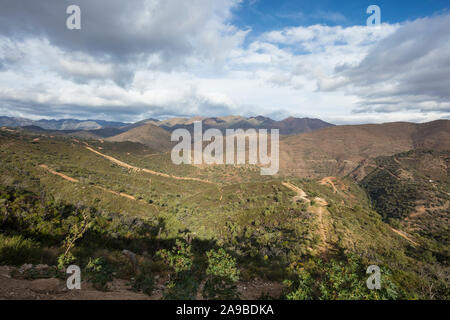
pixel 336 151
pixel 156 138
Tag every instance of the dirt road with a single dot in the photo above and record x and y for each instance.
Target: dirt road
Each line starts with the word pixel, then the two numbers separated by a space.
pixel 128 166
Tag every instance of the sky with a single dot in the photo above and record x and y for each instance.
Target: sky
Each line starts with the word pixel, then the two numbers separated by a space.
pixel 133 60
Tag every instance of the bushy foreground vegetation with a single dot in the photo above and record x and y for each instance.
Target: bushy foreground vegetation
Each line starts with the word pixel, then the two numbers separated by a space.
pixel 38 230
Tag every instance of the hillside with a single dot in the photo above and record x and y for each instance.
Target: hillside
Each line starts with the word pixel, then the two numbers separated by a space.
pixel 292 236
pixel 412 190
pixel 336 151
pixel 152 136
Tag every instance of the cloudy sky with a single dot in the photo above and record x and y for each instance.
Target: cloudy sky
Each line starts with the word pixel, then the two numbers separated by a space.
pixel 140 59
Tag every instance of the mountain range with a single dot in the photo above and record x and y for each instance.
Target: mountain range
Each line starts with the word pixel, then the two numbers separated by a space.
pixel 287 126
pixel 63 124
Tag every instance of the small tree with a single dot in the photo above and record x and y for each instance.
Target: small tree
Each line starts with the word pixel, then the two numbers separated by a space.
pixel 182 284
pixel 100 273
pixel 76 232
pixel 222 276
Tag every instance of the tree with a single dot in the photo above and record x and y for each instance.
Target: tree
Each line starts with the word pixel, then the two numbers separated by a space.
pixel 222 276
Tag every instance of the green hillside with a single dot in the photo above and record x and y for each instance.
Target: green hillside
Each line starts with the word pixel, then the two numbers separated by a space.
pixel 204 231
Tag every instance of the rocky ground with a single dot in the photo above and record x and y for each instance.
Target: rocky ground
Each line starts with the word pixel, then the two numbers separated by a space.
pixel 18 284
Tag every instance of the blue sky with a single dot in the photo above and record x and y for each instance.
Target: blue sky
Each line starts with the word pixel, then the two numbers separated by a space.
pixel 265 15
pixel 173 58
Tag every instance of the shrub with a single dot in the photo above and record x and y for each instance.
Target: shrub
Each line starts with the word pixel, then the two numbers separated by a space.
pixel 182 284
pixel 222 276
pixel 99 273
pixel 338 280
pixel 17 250
pixel 179 258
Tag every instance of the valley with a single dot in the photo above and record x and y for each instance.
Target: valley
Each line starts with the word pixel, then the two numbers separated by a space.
pixel 336 206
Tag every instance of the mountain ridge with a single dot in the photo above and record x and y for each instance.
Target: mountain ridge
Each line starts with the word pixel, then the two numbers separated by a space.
pixel 336 151
pixel 62 124
pixel 289 125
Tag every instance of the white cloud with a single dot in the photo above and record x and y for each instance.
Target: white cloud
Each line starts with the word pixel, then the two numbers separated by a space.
pixel 190 60
pixel 408 70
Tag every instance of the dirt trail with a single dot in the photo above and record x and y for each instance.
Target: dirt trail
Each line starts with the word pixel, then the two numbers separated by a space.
pixel 419 210
pixel 59 174
pixel 404 236
pixel 126 165
pixel 65 177
pixel 329 180
pixel 117 193
pixel 319 210
pixel 301 195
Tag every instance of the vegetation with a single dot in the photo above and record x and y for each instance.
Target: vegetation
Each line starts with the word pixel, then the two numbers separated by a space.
pixel 209 239
pixel 338 280
pixel 222 276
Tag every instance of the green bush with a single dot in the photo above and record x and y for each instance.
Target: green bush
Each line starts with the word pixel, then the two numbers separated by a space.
pixel 17 250
pixel 179 258
pixel 99 273
pixel 339 280
pixel 183 284
pixel 222 276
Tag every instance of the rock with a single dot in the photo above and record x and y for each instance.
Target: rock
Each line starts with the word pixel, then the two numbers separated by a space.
pixel 5 272
pixel 42 267
pixel 133 260
pixel 25 268
pixel 47 286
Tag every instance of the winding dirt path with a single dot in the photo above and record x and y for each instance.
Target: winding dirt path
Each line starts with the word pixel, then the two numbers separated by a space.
pixel 59 174
pixel 65 177
pixel 329 180
pixel 137 169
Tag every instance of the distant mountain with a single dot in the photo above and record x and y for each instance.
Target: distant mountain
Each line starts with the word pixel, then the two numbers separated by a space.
pixel 336 151
pixel 139 123
pixel 107 132
pixel 300 125
pixel 287 127
pixel 63 124
pixel 83 134
pixel 155 137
